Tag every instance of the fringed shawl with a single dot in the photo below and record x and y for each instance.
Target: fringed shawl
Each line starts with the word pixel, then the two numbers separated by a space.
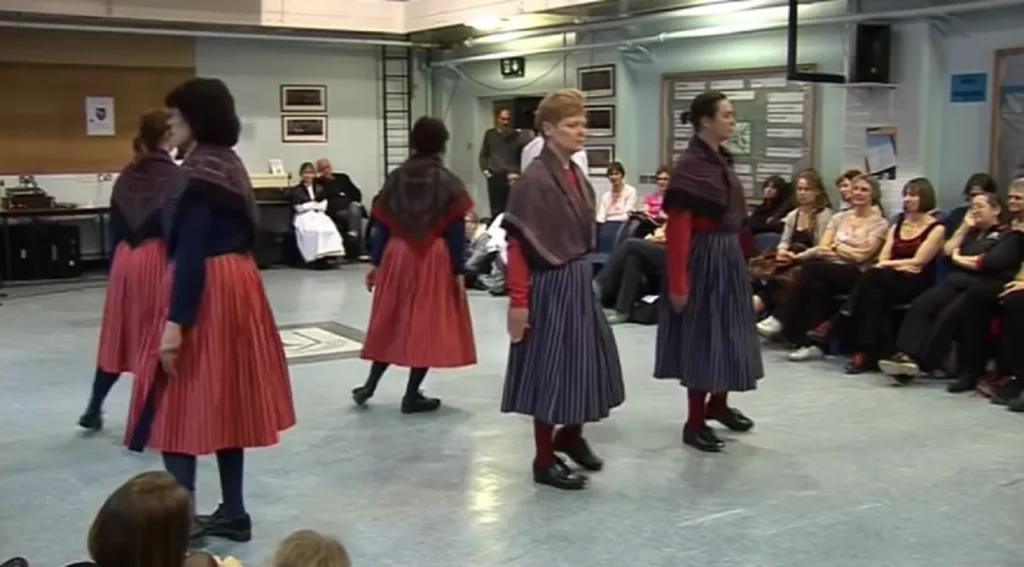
pixel 220 166
pixel 554 223
pixel 420 198
pixel 140 189
pixel 705 183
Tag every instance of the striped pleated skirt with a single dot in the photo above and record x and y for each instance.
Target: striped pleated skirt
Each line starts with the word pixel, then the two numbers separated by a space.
pixel 230 386
pixel 132 302
pixel 566 370
pixel 712 344
pixel 419 317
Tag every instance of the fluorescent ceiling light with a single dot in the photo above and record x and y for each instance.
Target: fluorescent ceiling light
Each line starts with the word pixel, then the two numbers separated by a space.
pixel 486 23
pixel 721 8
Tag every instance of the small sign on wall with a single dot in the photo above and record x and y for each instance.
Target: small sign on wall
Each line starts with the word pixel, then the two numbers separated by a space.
pixel 968 87
pixel 99 116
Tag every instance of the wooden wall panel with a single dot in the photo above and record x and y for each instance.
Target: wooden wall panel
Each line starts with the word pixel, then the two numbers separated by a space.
pixel 93 48
pixel 42 114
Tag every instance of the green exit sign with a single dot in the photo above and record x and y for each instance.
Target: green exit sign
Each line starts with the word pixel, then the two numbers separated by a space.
pixel 512 67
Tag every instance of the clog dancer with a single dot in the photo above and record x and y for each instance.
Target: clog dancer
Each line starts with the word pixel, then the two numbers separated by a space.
pixel 213 378
pixel 139 261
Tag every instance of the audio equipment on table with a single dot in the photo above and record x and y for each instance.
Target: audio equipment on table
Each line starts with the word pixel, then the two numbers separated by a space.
pixel 27 195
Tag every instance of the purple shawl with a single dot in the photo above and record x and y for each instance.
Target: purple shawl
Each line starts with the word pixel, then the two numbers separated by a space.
pixel 554 223
pixel 705 183
pixel 139 190
pixel 220 166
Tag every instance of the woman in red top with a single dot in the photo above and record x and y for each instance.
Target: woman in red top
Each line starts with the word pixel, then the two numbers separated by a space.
pixel 419 318
pixel 706 334
pixel 563 365
pixel 904 271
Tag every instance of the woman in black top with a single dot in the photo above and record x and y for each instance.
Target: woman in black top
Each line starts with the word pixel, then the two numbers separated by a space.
pixel 778 201
pixel 985 256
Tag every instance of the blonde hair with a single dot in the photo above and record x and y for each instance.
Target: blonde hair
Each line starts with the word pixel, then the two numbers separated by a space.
pixel 559 105
pixel 307 548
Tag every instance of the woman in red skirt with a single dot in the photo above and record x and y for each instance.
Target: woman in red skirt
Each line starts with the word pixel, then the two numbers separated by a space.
pixel 419 317
pixel 139 260
pixel 212 377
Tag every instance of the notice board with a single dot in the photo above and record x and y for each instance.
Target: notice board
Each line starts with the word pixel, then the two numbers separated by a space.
pixel 775 120
pixel 1006 157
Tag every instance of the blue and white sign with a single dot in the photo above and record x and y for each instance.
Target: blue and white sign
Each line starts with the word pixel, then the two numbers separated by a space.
pixel 968 87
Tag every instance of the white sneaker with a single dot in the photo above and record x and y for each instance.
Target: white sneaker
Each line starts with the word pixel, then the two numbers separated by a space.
pixel 769 327
pixel 803 354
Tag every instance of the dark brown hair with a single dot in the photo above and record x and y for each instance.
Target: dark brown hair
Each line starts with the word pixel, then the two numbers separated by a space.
pixel 821 200
pixel 429 136
pixel 663 169
pixel 144 523
pixel 925 192
pixel 307 548
pixel 209 108
pixel 982 181
pixel 617 167
pixel 704 105
pixel 153 128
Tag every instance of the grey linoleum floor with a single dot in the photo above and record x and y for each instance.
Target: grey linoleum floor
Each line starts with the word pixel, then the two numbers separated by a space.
pixel 840 471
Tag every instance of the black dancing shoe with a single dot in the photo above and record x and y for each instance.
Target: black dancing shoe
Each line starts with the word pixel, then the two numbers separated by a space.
pixel 558 475
pixel 579 452
pixel 420 404
pixel 962 383
pixel 361 395
pixel 733 419
pixel 219 524
pixel 702 439
pixel 1010 391
pixel 91 421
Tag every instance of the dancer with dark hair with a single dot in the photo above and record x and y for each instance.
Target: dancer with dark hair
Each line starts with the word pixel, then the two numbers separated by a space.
pixel 419 317
pixel 213 378
pixel 563 364
pixel 706 334
pixel 139 259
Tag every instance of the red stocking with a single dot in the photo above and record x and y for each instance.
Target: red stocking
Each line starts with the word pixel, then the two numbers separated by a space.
pixel 542 434
pixel 696 400
pixel 719 403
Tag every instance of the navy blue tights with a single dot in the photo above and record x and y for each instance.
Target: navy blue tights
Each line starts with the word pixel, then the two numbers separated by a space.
pixel 230 465
pixel 101 385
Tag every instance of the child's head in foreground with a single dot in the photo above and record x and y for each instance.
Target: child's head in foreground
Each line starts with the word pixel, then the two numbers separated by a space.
pixel 307 548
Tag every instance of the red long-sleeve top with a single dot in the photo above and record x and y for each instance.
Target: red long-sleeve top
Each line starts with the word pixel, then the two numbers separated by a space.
pixel 517 273
pixel 678 230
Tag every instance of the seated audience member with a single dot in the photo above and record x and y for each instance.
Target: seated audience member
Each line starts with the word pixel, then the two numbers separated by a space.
pixel 774 271
pixel 652 202
pixel 344 205
pixel 985 256
pixel 1011 328
pixel 478 256
pixel 905 270
pixel 977 184
pixel 850 244
pixel 315 233
pixel 843 185
pixel 631 263
pixel 617 202
pixel 776 204
pixel 307 548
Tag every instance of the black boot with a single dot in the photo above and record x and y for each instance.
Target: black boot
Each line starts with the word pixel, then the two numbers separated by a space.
pixel 91 421
pixel 962 383
pixel 702 439
pixel 733 419
pixel 418 403
pixel 558 475
pixel 1008 392
pixel 219 524
pixel 579 452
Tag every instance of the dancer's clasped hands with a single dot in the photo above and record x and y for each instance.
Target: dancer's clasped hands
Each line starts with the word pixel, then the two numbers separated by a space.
pixel 518 323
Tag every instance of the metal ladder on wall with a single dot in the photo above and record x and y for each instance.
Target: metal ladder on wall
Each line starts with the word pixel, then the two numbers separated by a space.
pixel 396 74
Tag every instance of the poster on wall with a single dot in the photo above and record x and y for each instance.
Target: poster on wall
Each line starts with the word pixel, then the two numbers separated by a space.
pixel 1007 154
pixel 775 120
pixel 99 116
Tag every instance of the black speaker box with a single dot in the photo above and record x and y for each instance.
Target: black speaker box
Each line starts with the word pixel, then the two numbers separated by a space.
pixel 522 109
pixel 872 54
pixel 65 259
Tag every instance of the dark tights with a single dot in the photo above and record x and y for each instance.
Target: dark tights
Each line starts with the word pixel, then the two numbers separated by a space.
pixel 230 465
pixel 701 403
pixel 412 387
pixel 102 383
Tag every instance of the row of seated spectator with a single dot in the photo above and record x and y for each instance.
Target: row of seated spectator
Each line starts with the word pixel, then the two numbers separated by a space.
pixel 327 216
pixel 900 297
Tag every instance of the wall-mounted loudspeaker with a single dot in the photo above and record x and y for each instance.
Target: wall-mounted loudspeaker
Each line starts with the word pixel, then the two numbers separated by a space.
pixel 872 54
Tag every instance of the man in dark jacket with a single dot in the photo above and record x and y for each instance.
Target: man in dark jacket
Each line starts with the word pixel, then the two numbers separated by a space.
pixel 344 206
pixel 499 154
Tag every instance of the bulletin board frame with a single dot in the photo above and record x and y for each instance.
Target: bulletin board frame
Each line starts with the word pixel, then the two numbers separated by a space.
pixel 668 119
pixel 996 122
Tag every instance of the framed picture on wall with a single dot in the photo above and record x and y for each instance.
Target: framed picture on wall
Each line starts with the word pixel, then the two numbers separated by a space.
pixel 601 120
pixel 304 129
pixel 303 98
pixel 596 81
pixel 599 157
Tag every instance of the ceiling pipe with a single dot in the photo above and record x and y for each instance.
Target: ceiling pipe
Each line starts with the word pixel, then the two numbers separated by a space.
pixel 290 37
pixel 722 31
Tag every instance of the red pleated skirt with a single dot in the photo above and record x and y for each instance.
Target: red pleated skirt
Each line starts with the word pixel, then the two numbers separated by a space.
pixel 133 301
pixel 419 317
pixel 230 387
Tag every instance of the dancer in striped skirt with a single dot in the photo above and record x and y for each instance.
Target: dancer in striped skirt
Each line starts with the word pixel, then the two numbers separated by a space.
pixel 706 334
pixel 139 259
pixel 563 365
pixel 420 316
pixel 213 376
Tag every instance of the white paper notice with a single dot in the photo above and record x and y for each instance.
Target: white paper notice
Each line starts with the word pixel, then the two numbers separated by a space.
pixel 768 83
pixel 784 133
pixel 785 118
pixel 881 158
pixel 729 85
pixel 698 86
pixel 785 108
pixel 775 168
pixel 680 144
pixel 99 116
pixel 685 95
pixel 740 95
pixel 743 169
pixel 785 97
pixel 784 153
